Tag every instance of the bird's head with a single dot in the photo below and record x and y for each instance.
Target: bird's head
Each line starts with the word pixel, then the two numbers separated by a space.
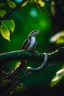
pixel 34 32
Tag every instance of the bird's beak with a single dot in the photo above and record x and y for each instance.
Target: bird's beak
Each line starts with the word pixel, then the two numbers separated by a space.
pixel 36 33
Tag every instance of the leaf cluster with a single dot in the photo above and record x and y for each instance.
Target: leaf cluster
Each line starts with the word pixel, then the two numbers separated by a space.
pixel 6 26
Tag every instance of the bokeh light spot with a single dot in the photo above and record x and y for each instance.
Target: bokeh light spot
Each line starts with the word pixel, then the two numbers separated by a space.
pixel 43 23
pixel 42 4
pixel 33 13
pixel 18 1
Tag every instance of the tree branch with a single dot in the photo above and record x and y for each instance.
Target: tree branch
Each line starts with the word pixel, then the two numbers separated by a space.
pixel 11 11
pixel 57 55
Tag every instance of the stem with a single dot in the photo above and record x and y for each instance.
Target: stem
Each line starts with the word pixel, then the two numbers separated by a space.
pixel 16 83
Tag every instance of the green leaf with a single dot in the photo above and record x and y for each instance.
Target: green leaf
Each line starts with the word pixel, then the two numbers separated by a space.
pixel 5 32
pixel 4 82
pixel 2 4
pixel 10 24
pixel 60 72
pixel 58 38
pixel 18 88
pixel 11 4
pixel 2 13
pixel 24 4
pixel 59 75
pixel 17 64
pixel 41 3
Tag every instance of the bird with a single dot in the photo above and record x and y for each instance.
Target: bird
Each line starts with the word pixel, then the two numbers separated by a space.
pixel 29 44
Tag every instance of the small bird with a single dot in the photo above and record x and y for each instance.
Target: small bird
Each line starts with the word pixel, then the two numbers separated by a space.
pixel 29 44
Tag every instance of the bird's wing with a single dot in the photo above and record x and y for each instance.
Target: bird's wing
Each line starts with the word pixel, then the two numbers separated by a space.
pixel 25 44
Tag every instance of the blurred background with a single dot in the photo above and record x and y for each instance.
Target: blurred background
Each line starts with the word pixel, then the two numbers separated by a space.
pixel 49 19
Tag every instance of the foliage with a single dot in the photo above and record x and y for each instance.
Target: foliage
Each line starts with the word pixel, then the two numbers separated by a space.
pixel 5 32
pixel 9 24
pixel 11 4
pixel 58 38
pixel 17 89
pixel 2 13
pixel 6 27
pixel 59 75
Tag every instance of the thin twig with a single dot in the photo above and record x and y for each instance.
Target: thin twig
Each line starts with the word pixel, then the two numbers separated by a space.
pixel 16 83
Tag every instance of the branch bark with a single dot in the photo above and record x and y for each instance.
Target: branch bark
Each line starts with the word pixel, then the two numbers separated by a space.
pixel 57 55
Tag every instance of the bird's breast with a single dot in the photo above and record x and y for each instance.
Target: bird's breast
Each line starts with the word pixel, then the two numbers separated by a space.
pixel 32 43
